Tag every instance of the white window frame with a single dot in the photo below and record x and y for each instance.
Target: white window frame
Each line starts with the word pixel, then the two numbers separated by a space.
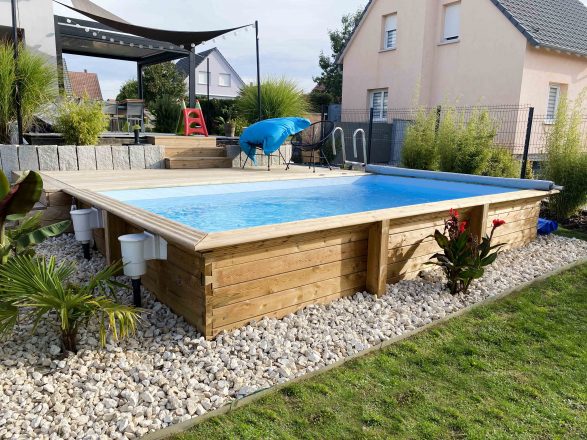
pixel 203 74
pixel 390 26
pixel 380 113
pixel 224 75
pixel 550 117
pixel 452 18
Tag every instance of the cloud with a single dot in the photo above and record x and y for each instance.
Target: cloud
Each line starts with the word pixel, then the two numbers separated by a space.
pixel 292 34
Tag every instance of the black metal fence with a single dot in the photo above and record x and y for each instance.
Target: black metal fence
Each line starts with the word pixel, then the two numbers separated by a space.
pixel 517 128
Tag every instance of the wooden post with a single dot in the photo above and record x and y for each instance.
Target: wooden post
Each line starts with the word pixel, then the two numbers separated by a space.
pixel 478 220
pixel 113 228
pixel 377 255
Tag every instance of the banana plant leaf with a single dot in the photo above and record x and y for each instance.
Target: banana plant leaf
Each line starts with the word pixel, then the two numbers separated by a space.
pixel 41 234
pixel 22 196
pixel 4 185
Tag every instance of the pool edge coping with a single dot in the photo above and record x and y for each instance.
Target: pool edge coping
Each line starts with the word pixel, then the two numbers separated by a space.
pixel 182 427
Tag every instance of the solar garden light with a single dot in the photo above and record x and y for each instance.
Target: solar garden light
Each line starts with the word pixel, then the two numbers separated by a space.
pixel 136 249
pixel 84 222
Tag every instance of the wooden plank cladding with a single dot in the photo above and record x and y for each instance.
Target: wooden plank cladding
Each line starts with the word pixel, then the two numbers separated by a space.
pixel 251 281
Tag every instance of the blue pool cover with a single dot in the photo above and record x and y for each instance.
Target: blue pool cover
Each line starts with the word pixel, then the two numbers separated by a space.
pixel 214 208
pixel 271 134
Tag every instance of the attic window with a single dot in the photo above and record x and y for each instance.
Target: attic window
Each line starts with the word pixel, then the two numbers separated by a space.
pixel 452 22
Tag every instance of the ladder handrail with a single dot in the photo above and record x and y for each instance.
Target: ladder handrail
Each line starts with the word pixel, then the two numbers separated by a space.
pixel 357 131
pixel 336 130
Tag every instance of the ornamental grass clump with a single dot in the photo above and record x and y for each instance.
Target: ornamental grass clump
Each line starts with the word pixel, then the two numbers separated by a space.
pixel 566 159
pixel 419 150
pixel 464 258
pixel 280 97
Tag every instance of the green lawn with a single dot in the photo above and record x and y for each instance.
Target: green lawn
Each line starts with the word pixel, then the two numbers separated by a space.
pixel 571 233
pixel 515 369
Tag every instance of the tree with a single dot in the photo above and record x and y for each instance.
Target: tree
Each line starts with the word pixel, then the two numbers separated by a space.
pixel 158 80
pixel 331 77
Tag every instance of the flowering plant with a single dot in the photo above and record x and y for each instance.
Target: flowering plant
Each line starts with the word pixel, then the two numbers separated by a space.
pixel 463 258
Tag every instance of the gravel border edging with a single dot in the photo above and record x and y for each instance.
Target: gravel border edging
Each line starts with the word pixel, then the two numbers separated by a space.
pixel 183 426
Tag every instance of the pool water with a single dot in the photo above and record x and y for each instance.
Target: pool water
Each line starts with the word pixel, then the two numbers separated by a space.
pixel 215 208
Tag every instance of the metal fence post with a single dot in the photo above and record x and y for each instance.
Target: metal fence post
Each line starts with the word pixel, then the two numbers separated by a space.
pixel 370 139
pixel 438 114
pixel 527 142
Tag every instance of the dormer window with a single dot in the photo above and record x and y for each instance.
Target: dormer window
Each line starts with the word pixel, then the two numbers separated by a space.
pixel 390 33
pixel 452 22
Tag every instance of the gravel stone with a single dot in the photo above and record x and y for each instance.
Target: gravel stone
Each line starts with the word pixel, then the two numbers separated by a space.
pixel 168 372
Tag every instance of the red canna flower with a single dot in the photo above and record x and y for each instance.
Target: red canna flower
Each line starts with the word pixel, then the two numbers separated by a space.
pixel 463 226
pixel 498 222
pixel 454 213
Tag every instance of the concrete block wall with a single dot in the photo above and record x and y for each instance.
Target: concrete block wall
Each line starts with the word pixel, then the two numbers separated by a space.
pixel 83 158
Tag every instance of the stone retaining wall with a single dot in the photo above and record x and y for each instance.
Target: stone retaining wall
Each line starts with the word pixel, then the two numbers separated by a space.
pixel 74 158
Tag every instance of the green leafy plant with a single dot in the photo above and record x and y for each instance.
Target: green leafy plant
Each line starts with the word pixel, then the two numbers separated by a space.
pixel 37 86
pixel 80 121
pixel 168 112
pixel 501 163
pixel 280 97
pixel 566 159
pixel 419 149
pixel 40 289
pixel 464 258
pixel 15 204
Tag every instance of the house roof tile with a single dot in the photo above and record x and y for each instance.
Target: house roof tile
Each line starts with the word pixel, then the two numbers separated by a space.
pixel 85 83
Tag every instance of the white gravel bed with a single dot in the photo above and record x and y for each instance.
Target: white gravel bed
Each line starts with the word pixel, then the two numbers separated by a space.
pixel 168 373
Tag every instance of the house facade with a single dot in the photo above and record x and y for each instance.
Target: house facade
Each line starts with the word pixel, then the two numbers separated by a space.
pixel 35 23
pixel 213 73
pixel 469 52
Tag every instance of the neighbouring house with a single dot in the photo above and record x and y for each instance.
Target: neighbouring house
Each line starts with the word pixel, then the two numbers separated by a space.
pixel 84 84
pixel 475 52
pixel 214 75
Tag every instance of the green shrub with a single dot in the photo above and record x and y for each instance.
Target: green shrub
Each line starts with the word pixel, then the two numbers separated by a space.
pixel 566 160
pixel 80 121
pixel 280 97
pixel 501 163
pixel 167 113
pixel 37 87
pixel 447 139
pixel 419 150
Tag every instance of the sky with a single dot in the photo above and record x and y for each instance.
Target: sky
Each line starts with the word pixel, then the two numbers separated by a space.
pixel 292 34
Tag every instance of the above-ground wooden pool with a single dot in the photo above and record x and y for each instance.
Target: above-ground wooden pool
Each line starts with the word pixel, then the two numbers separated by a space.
pixel 273 243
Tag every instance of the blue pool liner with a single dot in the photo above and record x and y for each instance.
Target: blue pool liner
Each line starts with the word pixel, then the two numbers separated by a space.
pixel 271 134
pixel 546 227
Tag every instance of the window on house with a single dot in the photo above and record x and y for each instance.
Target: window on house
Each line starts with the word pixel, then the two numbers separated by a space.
pixel 202 77
pixel 224 79
pixel 452 22
pixel 390 34
pixel 554 91
pixel 378 101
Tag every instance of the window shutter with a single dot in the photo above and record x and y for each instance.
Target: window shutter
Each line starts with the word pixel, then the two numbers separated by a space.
pixel 452 21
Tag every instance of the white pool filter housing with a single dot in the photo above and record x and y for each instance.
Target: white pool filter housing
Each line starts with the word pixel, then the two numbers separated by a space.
pixel 84 222
pixel 137 249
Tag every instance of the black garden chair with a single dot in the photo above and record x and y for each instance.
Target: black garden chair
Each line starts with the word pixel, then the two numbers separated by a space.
pixel 312 139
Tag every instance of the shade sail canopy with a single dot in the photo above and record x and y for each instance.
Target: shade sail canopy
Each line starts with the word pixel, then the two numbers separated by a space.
pixel 183 39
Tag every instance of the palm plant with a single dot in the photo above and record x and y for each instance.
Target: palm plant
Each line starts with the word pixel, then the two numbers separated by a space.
pixel 40 289
pixel 36 80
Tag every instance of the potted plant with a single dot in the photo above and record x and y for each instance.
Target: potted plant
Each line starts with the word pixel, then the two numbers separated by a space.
pixel 228 121
pixel 136 129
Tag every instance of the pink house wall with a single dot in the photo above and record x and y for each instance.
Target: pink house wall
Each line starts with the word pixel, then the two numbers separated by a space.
pixel 491 64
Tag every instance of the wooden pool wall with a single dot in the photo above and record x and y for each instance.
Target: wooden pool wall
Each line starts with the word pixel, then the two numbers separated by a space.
pixel 239 276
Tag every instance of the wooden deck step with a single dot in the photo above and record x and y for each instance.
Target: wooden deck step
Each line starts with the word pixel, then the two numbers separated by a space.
pixel 177 152
pixel 193 163
pixel 182 141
